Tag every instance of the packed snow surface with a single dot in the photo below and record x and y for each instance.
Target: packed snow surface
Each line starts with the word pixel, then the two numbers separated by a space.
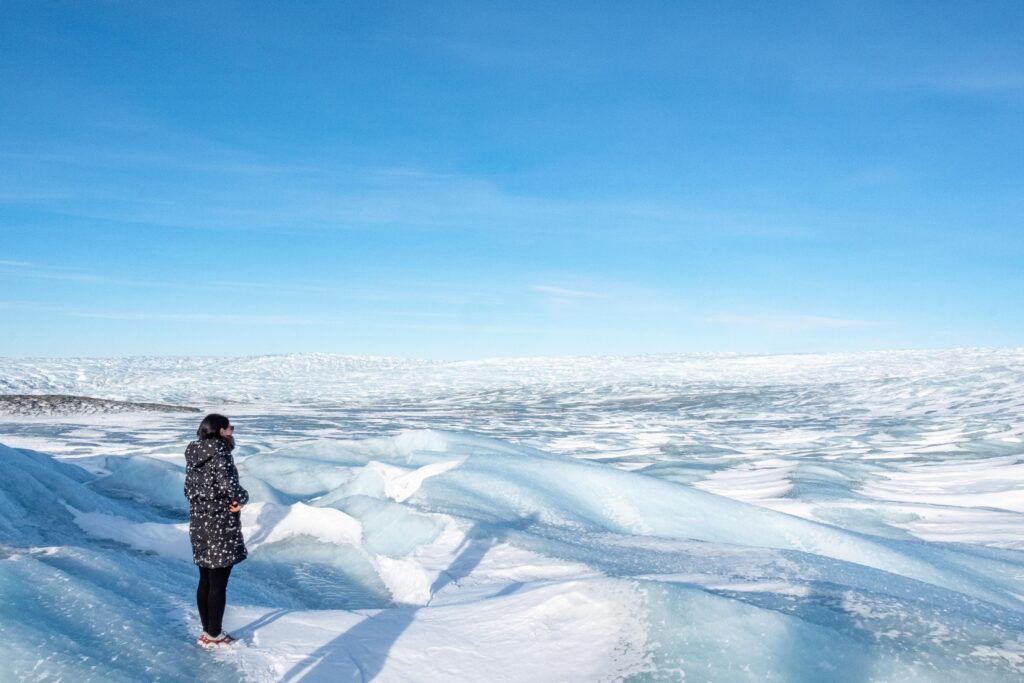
pixel 715 517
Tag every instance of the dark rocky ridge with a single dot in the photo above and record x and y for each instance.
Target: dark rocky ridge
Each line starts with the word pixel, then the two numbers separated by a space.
pixel 64 404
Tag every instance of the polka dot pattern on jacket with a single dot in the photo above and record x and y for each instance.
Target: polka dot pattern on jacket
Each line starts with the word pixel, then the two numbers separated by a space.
pixel 211 484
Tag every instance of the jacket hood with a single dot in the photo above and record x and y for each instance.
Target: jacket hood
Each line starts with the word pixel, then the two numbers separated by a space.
pixel 199 452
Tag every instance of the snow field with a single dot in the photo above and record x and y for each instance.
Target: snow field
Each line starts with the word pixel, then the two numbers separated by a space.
pixel 495 550
pixel 841 517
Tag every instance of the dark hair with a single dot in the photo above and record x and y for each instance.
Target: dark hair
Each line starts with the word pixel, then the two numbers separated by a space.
pixel 211 426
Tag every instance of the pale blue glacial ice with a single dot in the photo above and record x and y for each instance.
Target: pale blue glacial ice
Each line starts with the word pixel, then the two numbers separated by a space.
pixel 812 518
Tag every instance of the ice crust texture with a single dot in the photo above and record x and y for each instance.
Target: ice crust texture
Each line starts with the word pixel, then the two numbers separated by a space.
pixel 841 517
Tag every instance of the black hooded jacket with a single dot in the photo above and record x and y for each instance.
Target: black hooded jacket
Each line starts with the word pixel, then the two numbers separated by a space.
pixel 211 484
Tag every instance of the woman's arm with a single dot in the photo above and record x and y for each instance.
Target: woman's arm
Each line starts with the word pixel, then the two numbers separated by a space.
pixel 226 476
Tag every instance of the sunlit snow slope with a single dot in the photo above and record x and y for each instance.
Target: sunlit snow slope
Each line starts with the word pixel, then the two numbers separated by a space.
pixel 840 517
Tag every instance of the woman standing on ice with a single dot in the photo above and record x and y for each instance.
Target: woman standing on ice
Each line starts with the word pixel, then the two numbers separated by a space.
pixel 214 521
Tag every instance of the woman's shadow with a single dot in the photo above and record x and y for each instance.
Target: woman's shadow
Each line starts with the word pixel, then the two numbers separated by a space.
pixel 360 653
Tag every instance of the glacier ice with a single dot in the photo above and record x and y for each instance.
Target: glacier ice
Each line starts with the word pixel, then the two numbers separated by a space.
pixel 775 596
pixel 146 480
pixel 835 517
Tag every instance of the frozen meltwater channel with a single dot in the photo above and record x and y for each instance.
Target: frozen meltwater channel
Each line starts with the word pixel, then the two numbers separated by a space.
pixel 840 517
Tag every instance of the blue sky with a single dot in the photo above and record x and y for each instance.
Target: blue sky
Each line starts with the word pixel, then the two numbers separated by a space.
pixel 461 180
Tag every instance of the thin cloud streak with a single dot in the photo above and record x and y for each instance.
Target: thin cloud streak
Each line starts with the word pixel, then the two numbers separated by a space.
pixel 431 290
pixel 226 319
pixel 787 322
pixel 565 293
pixel 392 318
pixel 220 194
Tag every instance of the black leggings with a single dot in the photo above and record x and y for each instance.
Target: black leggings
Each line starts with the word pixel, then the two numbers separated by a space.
pixel 211 597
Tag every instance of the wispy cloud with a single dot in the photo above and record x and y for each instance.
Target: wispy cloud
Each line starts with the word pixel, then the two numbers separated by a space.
pixel 564 293
pixel 405 290
pixel 990 83
pixel 984 83
pixel 787 321
pixel 225 319
pixel 238 190
pixel 167 316
pixel 386 318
